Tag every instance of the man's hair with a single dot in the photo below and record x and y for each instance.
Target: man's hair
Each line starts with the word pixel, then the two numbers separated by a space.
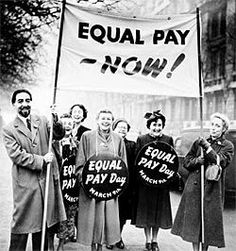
pixel 85 112
pixel 15 93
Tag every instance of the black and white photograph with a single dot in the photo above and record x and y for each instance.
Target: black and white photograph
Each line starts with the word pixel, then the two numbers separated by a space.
pixel 117 125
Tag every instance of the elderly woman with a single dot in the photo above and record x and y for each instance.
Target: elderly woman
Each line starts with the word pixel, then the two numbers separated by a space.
pixel 122 127
pixel 152 209
pixel 187 222
pixel 98 221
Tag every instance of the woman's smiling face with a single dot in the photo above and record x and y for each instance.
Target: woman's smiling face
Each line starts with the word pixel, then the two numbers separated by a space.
pixel 104 121
pixel 156 127
pixel 77 114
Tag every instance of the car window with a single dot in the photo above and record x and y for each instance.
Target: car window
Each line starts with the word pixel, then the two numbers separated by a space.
pixel 184 142
pixel 232 133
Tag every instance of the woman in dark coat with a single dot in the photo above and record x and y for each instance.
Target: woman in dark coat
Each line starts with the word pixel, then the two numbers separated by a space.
pixel 121 126
pixel 78 113
pixel 152 207
pixel 187 222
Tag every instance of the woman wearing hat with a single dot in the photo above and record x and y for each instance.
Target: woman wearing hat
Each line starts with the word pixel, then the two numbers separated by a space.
pixel 152 205
pixel 122 127
pixel 187 222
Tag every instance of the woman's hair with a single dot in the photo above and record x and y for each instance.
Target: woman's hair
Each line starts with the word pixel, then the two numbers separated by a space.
pixel 85 112
pixel 224 119
pixel 104 111
pixel 153 117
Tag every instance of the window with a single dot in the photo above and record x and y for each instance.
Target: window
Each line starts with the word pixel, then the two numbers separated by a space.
pixel 217 62
pixel 217 23
pixel 221 60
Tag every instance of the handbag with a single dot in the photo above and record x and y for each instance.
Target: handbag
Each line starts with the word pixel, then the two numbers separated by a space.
pixel 213 171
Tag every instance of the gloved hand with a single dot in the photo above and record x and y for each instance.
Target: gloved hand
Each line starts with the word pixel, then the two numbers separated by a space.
pixel 54 112
pixel 203 143
pixel 200 160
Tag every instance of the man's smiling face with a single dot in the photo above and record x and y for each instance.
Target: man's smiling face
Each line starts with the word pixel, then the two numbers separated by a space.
pixel 23 104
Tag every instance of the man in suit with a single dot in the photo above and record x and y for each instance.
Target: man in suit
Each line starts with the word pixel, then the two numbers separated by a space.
pixel 26 139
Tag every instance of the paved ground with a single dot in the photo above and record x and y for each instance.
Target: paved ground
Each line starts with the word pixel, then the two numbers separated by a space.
pixel 133 237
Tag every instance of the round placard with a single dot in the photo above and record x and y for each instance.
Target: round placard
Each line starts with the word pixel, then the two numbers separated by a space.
pixel 104 176
pixel 69 181
pixel 157 163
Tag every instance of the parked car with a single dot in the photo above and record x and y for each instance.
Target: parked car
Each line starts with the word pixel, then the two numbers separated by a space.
pixel 182 146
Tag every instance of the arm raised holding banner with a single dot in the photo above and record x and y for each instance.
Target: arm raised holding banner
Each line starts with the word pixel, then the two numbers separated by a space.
pixel 28 149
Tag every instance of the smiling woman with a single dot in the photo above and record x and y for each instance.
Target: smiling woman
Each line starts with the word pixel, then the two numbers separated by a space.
pixel 78 113
pixel 104 120
pixel 98 220
pixel 152 208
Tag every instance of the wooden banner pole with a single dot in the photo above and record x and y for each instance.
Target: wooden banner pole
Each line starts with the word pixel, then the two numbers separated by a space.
pixel 51 128
pixel 201 121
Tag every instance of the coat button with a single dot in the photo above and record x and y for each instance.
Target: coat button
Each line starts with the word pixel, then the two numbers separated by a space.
pixel 195 182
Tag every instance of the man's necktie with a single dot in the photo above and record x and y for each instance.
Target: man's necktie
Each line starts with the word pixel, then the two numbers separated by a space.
pixel 28 124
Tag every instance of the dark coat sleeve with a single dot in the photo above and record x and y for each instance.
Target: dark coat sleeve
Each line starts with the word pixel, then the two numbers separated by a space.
pixel 58 129
pixel 190 160
pixel 138 146
pixel 225 152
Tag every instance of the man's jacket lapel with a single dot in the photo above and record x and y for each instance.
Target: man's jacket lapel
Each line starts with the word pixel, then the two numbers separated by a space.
pixel 19 124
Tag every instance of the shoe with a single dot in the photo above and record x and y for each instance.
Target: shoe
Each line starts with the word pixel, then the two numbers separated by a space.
pixel 99 247
pixel 148 246
pixel 93 247
pixel 109 246
pixel 155 246
pixel 73 239
pixel 120 244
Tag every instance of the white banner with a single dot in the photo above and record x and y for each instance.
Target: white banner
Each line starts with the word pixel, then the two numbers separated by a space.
pixel 118 54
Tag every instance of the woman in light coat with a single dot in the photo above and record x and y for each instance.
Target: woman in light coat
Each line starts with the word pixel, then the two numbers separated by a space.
pixel 98 221
pixel 187 222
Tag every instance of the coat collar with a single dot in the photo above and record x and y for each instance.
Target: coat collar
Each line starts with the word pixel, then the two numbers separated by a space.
pixel 35 122
pixel 19 124
pixel 219 141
